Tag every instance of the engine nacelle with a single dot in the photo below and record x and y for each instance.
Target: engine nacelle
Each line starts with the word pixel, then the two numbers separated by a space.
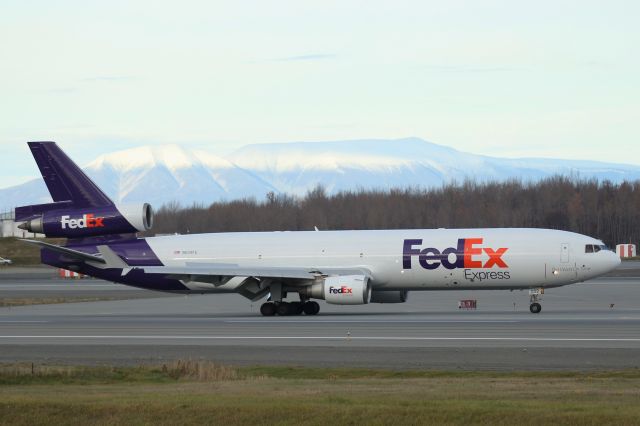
pixel 92 221
pixel 341 290
pixel 378 296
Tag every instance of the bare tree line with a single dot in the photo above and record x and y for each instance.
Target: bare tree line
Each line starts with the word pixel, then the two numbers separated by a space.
pixel 600 209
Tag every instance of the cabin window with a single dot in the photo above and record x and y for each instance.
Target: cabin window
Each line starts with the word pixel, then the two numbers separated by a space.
pixel 588 248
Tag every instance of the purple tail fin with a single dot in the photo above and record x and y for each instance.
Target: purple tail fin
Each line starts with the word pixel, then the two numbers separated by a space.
pixel 68 185
pixel 64 179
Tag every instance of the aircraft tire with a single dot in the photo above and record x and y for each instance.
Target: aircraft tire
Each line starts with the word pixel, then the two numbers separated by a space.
pixel 283 309
pixel 311 308
pixel 296 308
pixel 535 308
pixel 268 309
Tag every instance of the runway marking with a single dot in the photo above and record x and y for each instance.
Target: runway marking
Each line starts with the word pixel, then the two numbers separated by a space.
pixel 619 278
pixel 369 321
pixel 18 321
pixel 63 286
pixel 393 338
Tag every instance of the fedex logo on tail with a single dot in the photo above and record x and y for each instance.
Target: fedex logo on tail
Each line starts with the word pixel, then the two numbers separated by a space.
pixel 86 221
pixel 469 254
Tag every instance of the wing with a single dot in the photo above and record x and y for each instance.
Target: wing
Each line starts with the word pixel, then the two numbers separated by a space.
pixel 250 282
pixel 207 272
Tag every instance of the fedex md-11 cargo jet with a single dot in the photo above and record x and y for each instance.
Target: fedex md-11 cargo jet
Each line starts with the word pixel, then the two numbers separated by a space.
pixel 339 267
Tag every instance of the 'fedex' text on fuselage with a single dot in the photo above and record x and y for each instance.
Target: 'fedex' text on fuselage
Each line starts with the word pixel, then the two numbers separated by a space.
pixel 467 255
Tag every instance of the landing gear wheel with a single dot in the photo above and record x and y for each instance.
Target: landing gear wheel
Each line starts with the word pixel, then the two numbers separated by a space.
pixel 296 308
pixel 268 309
pixel 311 308
pixel 534 298
pixel 535 308
pixel 283 309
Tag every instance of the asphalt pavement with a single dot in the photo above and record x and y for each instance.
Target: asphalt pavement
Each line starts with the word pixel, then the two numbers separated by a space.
pixel 587 326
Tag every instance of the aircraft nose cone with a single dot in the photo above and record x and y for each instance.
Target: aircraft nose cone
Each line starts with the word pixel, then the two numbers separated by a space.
pixel 615 261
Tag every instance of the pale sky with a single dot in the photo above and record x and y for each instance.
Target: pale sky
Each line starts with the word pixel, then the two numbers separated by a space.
pixel 504 78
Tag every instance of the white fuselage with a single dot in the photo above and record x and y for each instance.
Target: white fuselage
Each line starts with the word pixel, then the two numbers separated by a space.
pixel 414 259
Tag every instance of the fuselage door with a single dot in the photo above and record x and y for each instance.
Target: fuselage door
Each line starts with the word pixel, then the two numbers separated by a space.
pixel 564 252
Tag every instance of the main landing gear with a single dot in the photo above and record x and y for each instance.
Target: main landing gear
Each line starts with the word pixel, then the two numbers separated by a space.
pixel 534 298
pixel 276 306
pixel 282 309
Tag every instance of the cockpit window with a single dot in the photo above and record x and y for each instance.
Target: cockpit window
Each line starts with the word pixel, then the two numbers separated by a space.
pixel 595 248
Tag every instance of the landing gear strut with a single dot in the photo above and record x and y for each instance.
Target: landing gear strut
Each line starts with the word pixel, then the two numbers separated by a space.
pixel 282 309
pixel 276 306
pixel 534 298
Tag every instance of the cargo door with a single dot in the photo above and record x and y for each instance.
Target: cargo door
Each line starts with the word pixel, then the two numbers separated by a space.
pixel 564 253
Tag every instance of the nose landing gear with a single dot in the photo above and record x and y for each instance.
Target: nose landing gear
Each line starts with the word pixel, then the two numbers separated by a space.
pixel 534 298
pixel 535 308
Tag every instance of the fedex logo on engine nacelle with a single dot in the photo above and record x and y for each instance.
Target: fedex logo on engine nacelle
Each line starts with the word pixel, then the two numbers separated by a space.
pixel 86 221
pixel 467 254
pixel 340 290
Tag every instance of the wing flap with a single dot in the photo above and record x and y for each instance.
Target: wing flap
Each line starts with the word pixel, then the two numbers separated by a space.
pixel 203 272
pixel 227 271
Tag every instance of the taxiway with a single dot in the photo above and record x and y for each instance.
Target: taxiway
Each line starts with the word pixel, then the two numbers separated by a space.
pixel 593 325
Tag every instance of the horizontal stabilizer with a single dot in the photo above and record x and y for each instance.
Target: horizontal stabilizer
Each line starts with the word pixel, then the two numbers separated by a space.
pixel 74 254
pixel 25 213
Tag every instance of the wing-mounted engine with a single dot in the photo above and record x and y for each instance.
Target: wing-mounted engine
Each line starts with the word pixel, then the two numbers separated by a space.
pixel 394 296
pixel 75 222
pixel 341 290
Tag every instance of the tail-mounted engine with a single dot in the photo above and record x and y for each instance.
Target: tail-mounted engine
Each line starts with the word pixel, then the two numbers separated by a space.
pixel 90 222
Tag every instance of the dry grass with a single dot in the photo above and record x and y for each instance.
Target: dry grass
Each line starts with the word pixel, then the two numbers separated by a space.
pixel 197 392
pixel 189 370
pixel 22 253
pixel 199 370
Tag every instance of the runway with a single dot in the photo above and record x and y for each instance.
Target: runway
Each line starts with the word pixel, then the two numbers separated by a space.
pixel 44 282
pixel 593 325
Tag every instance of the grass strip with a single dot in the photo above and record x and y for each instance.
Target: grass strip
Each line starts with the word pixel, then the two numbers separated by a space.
pixel 361 373
pixel 194 370
pixel 21 253
pixel 199 391
pixel 203 370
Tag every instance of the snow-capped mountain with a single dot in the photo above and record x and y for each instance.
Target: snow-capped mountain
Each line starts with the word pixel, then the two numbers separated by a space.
pixel 161 174
pixel 171 173
pixel 400 163
pixel 157 175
